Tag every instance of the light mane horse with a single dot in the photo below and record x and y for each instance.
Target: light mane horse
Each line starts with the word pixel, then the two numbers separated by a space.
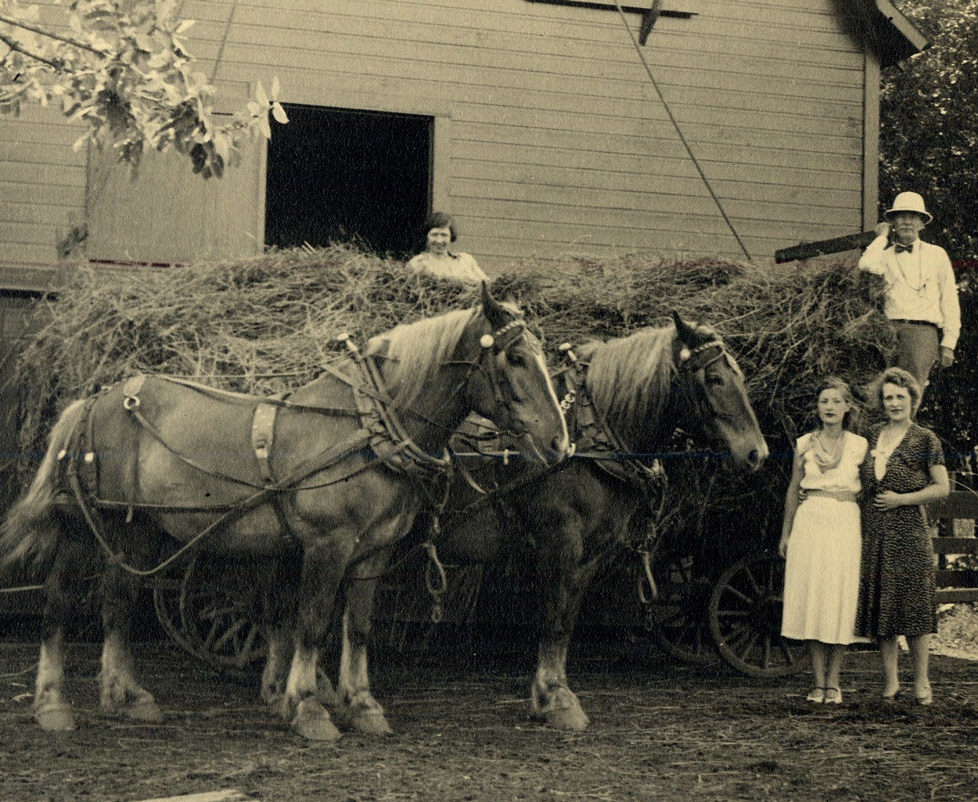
pixel 155 462
pixel 636 392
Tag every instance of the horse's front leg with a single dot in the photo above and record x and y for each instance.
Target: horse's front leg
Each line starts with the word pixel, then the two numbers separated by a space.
pixel 324 565
pixel 276 671
pixel 561 583
pixel 120 693
pixel 360 707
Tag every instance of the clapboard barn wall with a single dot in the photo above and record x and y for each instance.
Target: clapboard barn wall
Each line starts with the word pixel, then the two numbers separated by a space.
pixel 550 138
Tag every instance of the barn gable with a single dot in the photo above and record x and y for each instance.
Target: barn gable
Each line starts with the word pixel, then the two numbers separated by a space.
pixel 535 122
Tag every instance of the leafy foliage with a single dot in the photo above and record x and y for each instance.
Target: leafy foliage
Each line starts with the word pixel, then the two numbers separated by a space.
pixel 928 137
pixel 929 123
pixel 121 67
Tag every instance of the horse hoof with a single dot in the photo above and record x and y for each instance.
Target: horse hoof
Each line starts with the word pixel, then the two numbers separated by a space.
pixel 371 723
pixel 55 718
pixel 313 723
pixel 146 711
pixel 567 718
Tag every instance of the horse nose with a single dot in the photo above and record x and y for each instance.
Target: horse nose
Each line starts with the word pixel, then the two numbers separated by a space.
pixel 756 457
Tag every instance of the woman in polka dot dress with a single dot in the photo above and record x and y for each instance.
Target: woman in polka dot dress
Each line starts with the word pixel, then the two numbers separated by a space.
pixel 904 470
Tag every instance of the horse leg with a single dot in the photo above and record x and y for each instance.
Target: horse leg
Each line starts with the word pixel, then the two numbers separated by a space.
pixel 361 709
pixel 278 622
pixel 120 693
pixel 322 571
pixel 562 581
pixel 51 710
pixel 275 673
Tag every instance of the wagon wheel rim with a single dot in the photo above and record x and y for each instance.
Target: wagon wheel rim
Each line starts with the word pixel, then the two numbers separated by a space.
pixel 680 627
pixel 166 601
pixel 204 616
pixel 745 618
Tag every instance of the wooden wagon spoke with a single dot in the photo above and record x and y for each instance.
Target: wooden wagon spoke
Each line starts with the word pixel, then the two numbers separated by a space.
pixel 733 613
pixel 229 634
pixel 740 595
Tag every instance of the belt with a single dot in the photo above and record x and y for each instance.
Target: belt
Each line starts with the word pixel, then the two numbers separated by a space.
pixel 838 495
pixel 914 322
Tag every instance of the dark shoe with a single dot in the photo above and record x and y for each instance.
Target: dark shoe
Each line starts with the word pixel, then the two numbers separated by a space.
pixel 816 695
pixel 833 696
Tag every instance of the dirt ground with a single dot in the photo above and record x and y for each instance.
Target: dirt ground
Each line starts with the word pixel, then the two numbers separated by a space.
pixel 660 730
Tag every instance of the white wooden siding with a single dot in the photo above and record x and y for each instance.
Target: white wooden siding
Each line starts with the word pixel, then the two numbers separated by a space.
pixel 558 142
pixel 42 184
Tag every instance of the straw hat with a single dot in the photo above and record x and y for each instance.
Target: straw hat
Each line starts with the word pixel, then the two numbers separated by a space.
pixel 909 202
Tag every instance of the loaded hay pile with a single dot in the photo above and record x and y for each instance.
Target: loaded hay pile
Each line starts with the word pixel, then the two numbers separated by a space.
pixel 269 323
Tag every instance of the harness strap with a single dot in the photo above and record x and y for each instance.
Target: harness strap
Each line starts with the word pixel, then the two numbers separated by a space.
pixel 391 442
pixel 231 396
pixel 130 392
pixel 262 438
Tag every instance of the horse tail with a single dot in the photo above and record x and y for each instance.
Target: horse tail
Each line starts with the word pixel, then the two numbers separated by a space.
pixel 29 535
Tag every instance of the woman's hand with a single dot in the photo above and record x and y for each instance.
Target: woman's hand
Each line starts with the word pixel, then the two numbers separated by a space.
pixel 783 546
pixel 888 500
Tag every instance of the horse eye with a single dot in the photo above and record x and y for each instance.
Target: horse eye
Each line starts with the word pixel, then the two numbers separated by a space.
pixel 712 380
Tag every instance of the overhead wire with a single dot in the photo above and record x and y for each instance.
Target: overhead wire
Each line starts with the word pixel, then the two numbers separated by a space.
pixel 679 132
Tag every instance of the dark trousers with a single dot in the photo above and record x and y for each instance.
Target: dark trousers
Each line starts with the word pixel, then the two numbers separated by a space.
pixel 917 349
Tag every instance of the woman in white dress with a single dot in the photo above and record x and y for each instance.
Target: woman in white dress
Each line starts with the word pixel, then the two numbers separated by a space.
pixel 820 539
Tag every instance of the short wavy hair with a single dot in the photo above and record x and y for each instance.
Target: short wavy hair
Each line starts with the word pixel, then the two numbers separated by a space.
pixel 901 378
pixel 441 220
pixel 851 418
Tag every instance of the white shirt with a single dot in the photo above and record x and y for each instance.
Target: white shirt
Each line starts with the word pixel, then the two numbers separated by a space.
pixel 920 285
pixel 457 266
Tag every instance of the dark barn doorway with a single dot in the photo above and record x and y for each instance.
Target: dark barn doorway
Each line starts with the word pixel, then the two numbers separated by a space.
pixel 342 175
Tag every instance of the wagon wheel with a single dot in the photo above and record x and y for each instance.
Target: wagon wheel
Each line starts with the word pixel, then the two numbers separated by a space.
pixel 202 613
pixel 680 625
pixel 745 618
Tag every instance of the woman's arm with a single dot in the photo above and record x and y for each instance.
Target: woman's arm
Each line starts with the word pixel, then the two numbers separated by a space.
pixel 939 487
pixel 790 503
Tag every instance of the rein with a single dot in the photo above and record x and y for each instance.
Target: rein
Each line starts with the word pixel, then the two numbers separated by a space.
pixel 381 430
pixel 599 443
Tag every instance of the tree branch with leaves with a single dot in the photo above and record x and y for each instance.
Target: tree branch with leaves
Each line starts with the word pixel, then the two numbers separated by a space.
pixel 121 68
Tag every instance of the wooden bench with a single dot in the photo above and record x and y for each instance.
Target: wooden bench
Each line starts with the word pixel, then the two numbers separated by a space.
pixel 955 584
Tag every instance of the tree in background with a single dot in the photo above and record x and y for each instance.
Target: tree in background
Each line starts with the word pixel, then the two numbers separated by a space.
pixel 120 67
pixel 929 123
pixel 928 143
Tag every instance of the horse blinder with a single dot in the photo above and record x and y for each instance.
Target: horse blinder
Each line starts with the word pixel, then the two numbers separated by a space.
pixel 692 361
pixel 494 345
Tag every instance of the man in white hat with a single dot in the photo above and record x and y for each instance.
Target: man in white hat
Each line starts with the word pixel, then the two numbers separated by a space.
pixel 921 296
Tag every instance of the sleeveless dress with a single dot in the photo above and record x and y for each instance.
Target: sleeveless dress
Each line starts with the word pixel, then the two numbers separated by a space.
pixel 821 582
pixel 897 595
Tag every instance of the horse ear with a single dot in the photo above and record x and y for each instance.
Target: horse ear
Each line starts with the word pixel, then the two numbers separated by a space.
pixel 683 330
pixel 491 308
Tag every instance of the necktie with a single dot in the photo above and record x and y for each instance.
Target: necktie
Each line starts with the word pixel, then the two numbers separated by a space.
pixel 898 248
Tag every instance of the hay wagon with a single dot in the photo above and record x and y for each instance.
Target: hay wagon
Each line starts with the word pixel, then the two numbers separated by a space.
pixel 713 598
pixel 714 601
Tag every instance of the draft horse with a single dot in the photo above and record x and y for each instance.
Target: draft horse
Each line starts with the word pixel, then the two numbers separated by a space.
pixel 624 400
pixel 329 477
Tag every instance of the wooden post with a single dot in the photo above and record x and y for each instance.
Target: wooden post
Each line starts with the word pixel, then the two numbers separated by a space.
pixel 808 250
